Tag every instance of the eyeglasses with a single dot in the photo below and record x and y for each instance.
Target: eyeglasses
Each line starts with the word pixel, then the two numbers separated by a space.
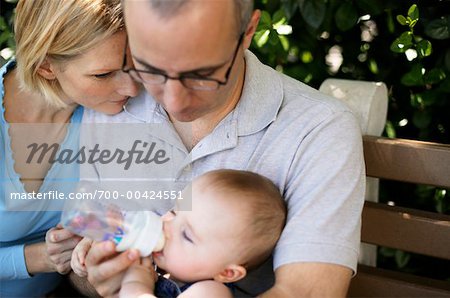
pixel 189 81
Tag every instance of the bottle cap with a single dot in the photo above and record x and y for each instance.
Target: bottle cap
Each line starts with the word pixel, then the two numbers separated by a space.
pixel 145 234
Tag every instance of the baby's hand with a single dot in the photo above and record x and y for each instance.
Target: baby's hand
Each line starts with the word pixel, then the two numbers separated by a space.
pixel 139 280
pixel 79 257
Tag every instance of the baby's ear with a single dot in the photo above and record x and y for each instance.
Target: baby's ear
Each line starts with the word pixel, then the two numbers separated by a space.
pixel 231 273
pixel 46 70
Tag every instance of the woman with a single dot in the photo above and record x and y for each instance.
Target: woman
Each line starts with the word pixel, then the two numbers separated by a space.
pixel 69 54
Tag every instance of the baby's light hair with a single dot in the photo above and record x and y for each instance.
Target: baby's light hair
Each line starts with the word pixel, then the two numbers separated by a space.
pixel 263 206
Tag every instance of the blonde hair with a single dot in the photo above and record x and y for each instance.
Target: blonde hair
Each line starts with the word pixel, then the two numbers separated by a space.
pixel 263 207
pixel 59 30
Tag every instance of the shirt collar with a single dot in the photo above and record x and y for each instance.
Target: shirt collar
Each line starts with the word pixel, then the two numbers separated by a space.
pixel 261 97
pixel 258 106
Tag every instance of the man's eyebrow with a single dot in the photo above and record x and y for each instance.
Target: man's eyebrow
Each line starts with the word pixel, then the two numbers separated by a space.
pixel 149 67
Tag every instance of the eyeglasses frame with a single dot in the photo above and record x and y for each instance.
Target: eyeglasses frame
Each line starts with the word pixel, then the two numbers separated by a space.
pixel 182 77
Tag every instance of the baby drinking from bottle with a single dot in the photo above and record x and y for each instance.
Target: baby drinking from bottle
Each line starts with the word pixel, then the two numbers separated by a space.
pixel 236 219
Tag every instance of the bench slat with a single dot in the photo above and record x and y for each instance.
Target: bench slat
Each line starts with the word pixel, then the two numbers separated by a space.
pixel 407 229
pixel 407 160
pixel 375 282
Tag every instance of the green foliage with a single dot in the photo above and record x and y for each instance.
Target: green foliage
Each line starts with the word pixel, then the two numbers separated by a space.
pixel 403 43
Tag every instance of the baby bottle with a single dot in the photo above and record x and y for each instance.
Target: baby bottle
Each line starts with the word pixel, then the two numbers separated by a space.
pixel 102 220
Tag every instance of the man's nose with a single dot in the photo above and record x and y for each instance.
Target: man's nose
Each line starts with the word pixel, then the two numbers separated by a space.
pixel 174 94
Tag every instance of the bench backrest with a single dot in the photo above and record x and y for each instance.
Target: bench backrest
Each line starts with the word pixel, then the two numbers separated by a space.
pixel 415 231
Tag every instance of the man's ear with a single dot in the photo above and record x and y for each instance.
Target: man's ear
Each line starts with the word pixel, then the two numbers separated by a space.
pixel 231 273
pixel 46 70
pixel 251 28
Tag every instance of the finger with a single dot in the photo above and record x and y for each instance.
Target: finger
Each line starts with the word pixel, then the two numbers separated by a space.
pixel 82 250
pixel 111 267
pixel 56 235
pixel 100 251
pixel 78 267
pixel 79 270
pixel 62 246
pixel 147 262
pixel 61 259
pixel 64 268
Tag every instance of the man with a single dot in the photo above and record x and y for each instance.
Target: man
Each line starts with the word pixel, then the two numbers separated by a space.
pixel 231 111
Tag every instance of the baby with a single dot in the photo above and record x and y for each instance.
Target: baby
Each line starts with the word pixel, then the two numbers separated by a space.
pixel 235 222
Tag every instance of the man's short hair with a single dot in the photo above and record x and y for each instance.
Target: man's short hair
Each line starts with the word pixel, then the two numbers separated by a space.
pixel 243 9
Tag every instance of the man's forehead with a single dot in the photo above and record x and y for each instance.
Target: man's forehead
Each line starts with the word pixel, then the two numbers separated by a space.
pixel 166 10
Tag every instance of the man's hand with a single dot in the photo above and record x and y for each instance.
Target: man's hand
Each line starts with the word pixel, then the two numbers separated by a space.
pixel 59 245
pixel 106 267
pixel 139 280
pixel 79 257
pixel 310 280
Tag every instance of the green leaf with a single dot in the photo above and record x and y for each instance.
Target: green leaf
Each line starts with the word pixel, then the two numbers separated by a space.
pixel 402 258
pixel 417 101
pixel 284 42
pixel 414 77
pixel 390 22
pixel 434 76
pixel 402 43
pixel 313 11
pixel 273 37
pixel 438 29
pixel 373 66
pixel 421 119
pixel 387 252
pixel 289 7
pixel 2 24
pixel 447 59
pixel 265 22
pixel 390 130
pixel 372 7
pixel 413 12
pixel 424 48
pixel 261 37
pixel 402 20
pixel 4 36
pixel 346 16
pixel 278 18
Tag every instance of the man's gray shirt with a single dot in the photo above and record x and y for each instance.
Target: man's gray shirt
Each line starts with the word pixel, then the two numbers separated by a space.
pixel 306 142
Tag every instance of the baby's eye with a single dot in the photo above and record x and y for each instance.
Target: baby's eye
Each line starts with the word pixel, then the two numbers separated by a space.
pixel 185 236
pixel 103 75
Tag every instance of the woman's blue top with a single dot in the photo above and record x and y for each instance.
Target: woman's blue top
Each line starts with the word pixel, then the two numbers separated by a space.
pixel 18 228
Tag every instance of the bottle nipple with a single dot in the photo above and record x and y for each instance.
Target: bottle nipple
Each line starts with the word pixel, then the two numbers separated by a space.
pixel 160 244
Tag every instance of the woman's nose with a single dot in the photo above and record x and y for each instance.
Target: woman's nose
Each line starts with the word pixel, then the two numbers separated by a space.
pixel 128 86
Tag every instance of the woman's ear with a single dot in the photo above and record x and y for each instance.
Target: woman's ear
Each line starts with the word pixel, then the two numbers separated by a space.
pixel 231 273
pixel 46 70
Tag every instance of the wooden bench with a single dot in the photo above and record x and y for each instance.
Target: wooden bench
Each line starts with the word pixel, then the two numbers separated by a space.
pixel 410 230
pixel 416 231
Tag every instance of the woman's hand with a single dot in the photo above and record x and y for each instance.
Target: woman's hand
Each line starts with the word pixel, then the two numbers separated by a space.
pixel 60 244
pixel 106 267
pixel 52 255
pixel 79 257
